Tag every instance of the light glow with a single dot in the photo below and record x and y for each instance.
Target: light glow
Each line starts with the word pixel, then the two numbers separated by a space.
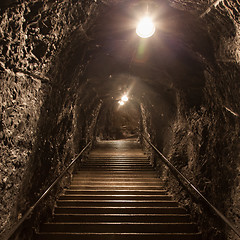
pixel 145 28
pixel 121 103
pixel 124 98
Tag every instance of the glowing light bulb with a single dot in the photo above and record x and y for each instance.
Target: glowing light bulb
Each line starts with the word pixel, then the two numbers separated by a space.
pixel 124 98
pixel 145 28
pixel 121 103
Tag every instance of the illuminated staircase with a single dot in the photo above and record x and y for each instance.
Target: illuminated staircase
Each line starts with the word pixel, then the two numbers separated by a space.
pixel 116 195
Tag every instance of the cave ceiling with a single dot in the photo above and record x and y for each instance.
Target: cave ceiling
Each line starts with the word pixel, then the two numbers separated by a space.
pixel 172 59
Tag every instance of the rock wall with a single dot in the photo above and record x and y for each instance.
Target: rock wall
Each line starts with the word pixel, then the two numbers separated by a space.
pixel 46 116
pixel 205 144
pixel 206 140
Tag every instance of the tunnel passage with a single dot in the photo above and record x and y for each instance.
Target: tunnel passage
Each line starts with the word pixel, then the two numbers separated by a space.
pixel 61 60
pixel 118 122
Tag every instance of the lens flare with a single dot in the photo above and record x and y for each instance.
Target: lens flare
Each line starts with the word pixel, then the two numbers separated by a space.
pixel 145 28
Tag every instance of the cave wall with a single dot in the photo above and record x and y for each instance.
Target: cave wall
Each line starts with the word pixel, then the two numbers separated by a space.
pixel 205 148
pixel 48 111
pixel 203 144
pixel 205 140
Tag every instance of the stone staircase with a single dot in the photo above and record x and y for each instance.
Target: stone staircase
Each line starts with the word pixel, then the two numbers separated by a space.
pixel 116 195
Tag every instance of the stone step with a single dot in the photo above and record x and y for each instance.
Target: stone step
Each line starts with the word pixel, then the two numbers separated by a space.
pixel 117 159
pixel 119 210
pixel 120 161
pixel 114 187
pixel 109 156
pixel 117 165
pixel 114 197
pixel 109 174
pixel 118 236
pixel 118 171
pixel 117 168
pixel 123 173
pixel 112 192
pixel 119 227
pixel 114 179
pixel 117 203
pixel 115 183
pixel 160 218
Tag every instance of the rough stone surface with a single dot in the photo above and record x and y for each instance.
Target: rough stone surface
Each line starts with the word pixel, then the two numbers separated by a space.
pixel 40 110
pixel 205 141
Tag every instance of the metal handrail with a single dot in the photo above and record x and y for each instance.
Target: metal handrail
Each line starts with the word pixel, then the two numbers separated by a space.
pixel 18 224
pixel 172 167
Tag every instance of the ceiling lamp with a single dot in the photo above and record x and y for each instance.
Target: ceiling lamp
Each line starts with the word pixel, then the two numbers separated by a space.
pixel 145 28
pixel 124 98
pixel 120 103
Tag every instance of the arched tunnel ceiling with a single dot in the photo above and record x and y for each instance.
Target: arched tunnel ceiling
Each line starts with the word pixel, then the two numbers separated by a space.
pixel 172 58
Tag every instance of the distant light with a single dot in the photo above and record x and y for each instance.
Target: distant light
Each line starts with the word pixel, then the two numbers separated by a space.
pixel 124 98
pixel 121 103
pixel 145 28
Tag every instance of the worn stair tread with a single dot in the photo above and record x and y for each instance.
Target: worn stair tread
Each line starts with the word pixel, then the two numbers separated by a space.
pixel 118 203
pixel 121 217
pixel 118 163
pixel 111 188
pixel 122 163
pixel 121 223
pixel 113 166
pixel 123 178
pixel 124 215
pixel 115 182
pixel 118 236
pixel 98 187
pixel 120 191
pixel 112 185
pixel 119 227
pixel 110 169
pixel 108 197
pixel 119 156
pixel 132 233
pixel 117 210
pixel 114 172
pixel 115 175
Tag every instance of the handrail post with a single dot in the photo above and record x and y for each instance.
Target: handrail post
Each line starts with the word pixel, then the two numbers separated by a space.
pixel 172 167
